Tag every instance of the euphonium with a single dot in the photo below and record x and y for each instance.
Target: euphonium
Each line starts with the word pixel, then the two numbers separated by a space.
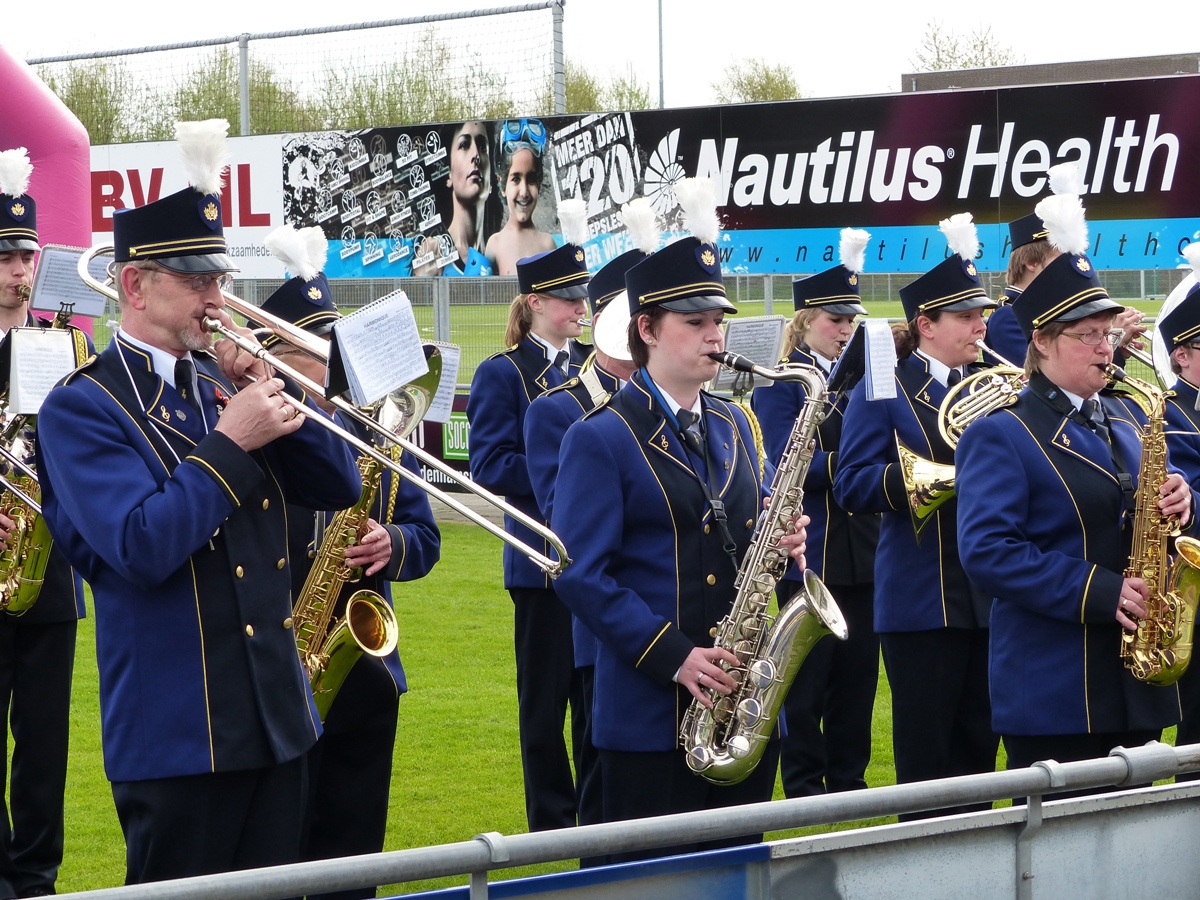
pixel 724 744
pixel 1161 648
pixel 329 649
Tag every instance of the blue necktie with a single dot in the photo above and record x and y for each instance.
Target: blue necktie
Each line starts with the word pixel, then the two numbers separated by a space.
pixel 185 382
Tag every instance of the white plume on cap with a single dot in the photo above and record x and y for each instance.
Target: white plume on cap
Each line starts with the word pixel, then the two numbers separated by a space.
pixel 1066 225
pixel 1192 254
pixel 204 150
pixel 853 248
pixel 15 171
pixel 1066 178
pixel 961 236
pixel 698 199
pixel 642 221
pixel 292 248
pixel 572 218
pixel 318 247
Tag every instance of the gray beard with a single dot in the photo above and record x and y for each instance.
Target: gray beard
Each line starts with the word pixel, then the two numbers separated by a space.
pixel 194 342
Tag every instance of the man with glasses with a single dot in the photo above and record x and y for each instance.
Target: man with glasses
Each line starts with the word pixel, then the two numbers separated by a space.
pixel 166 463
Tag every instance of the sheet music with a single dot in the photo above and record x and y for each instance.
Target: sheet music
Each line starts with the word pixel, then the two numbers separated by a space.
pixel 41 357
pixel 443 400
pixel 881 360
pixel 56 282
pixel 758 338
pixel 381 348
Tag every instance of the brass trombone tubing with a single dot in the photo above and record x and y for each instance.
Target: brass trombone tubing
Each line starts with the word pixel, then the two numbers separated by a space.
pixel 318 349
pixel 550 566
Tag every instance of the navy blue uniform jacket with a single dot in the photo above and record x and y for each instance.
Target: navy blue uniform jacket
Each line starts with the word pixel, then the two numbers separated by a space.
pixel 501 391
pixel 917 587
pixel 546 424
pixel 841 545
pixel 1183 432
pixel 650 578
pixel 1041 519
pixel 183 539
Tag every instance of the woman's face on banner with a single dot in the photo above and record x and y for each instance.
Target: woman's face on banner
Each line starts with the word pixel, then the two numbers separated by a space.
pixel 469 161
pixel 521 187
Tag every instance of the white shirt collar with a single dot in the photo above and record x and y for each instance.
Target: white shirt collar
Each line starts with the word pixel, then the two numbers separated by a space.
pixel 162 361
pixel 1077 401
pixel 551 350
pixel 937 368
pixel 826 364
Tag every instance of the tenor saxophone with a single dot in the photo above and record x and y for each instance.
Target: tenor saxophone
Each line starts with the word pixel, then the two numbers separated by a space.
pixel 1159 651
pixel 724 743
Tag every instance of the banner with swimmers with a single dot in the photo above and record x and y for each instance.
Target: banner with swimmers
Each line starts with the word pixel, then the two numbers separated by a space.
pixel 472 198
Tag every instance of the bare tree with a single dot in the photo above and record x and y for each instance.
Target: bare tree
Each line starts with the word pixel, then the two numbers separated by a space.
pixel 755 80
pixel 942 48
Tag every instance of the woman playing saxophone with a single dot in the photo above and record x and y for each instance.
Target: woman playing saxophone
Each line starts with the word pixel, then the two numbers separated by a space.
pixel 1047 491
pixel 669 478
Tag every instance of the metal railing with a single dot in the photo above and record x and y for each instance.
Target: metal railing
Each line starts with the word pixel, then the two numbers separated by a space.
pixel 493 852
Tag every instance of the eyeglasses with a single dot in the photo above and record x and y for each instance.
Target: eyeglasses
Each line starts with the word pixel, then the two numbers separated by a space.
pixel 1094 338
pixel 528 132
pixel 200 283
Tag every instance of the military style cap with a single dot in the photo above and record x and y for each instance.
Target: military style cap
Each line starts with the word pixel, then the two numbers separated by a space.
pixel 953 284
pixel 305 300
pixel 609 281
pixel 1182 324
pixel 1066 290
pixel 561 272
pixel 836 290
pixel 18 212
pixel 684 276
pixel 1026 230
pixel 183 232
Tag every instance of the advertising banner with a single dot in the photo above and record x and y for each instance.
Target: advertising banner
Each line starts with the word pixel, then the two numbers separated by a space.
pixel 472 198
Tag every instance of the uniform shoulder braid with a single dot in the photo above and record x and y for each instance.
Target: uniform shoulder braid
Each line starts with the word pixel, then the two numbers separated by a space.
pixel 603 404
pixel 505 352
pixel 565 386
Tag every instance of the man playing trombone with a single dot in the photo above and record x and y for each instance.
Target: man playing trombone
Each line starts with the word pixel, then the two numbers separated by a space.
pixel 166 485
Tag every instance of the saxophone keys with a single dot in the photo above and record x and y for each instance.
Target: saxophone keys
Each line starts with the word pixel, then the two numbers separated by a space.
pixel 762 673
pixel 749 713
pixel 738 747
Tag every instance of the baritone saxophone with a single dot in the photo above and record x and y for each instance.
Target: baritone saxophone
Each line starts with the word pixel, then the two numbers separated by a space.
pixel 724 743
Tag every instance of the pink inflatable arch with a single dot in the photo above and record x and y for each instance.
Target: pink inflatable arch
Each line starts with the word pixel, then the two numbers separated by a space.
pixel 34 118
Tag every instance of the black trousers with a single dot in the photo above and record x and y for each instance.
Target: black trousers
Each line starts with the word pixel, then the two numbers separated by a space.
pixel 350 772
pixel 941 710
pixel 637 785
pixel 36 662
pixel 587 759
pixel 202 824
pixel 547 681
pixel 829 705
pixel 1024 750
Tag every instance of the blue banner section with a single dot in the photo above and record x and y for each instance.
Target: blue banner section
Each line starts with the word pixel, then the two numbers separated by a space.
pixel 1115 244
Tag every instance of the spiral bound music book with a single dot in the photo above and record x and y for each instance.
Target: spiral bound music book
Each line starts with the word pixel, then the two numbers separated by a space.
pixel 375 350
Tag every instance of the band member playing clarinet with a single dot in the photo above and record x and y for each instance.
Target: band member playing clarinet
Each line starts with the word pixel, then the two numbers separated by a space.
pixel 166 465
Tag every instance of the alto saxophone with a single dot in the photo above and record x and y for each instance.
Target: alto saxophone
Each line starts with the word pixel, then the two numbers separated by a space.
pixel 328 649
pixel 724 743
pixel 1159 651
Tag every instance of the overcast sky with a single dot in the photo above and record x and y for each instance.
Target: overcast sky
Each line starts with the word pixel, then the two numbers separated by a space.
pixel 835 49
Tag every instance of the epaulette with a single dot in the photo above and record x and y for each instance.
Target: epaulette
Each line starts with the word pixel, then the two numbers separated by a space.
pixel 603 404
pixel 87 363
pixel 565 386
pixel 500 353
pixel 585 344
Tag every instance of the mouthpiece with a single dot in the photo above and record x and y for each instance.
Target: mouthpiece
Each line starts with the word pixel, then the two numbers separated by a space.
pixel 586 323
pixel 24 291
pixel 734 361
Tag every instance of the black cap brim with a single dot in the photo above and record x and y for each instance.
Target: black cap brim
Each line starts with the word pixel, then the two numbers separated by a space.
pixel 571 292
pixel 7 245
pixel 1103 304
pixel 702 303
pixel 970 303
pixel 199 264
pixel 838 309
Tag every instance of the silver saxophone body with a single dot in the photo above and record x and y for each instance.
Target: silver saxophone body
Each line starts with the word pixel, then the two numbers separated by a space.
pixel 724 743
